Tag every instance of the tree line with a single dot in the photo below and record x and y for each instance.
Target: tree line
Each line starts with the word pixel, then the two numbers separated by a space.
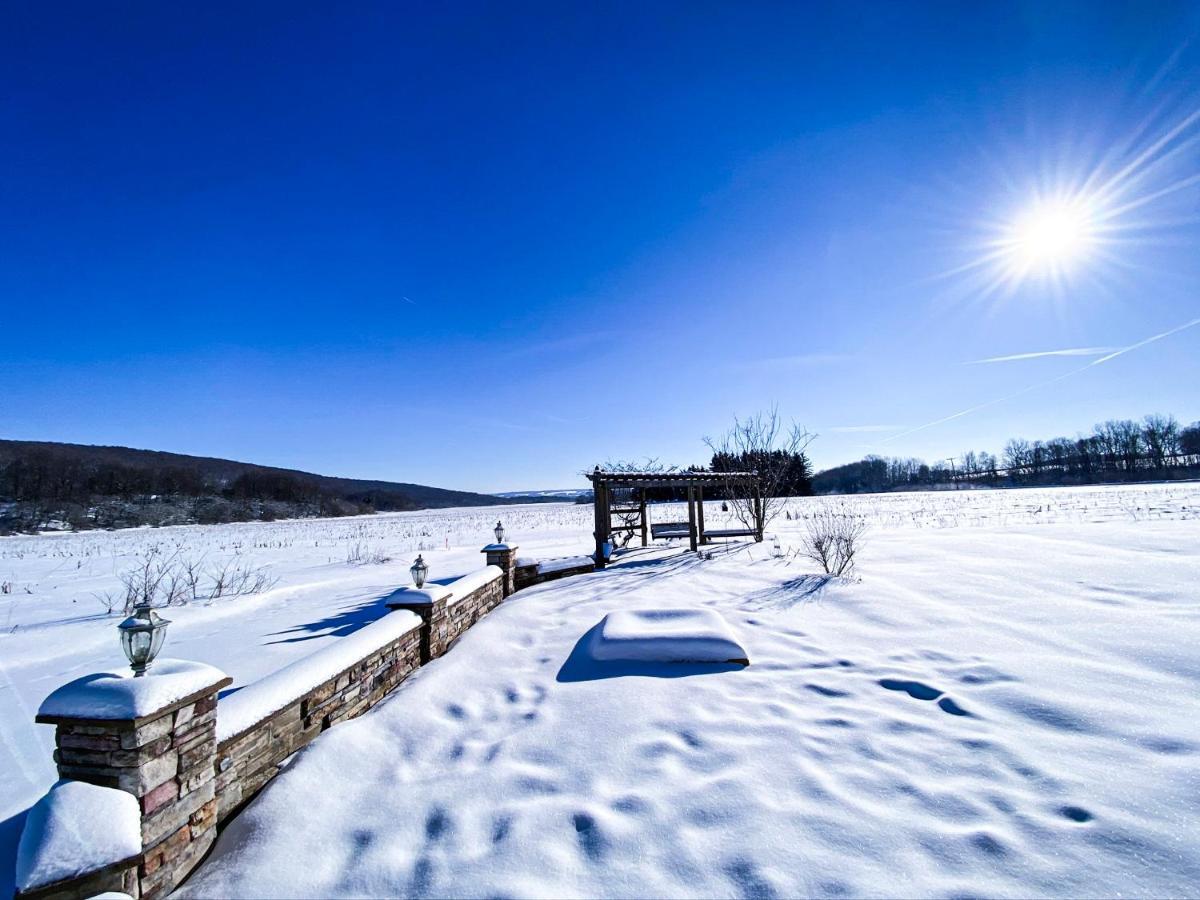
pixel 1155 448
pixel 44 476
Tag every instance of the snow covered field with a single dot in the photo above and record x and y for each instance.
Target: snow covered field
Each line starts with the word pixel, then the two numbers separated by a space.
pixel 1004 704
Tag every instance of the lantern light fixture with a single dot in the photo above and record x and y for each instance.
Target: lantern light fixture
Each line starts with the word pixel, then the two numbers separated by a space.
pixel 142 637
pixel 499 532
pixel 418 571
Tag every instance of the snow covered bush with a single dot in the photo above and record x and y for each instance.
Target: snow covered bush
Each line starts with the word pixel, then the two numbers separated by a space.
pixel 832 539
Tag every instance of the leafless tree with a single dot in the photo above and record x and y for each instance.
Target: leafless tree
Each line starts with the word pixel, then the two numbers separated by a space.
pixel 763 444
pixel 1161 436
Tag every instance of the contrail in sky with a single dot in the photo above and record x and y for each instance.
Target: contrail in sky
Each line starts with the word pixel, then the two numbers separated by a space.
pixel 1046 383
pixel 1071 351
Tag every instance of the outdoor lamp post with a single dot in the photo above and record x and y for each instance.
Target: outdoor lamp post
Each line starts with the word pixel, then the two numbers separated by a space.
pixel 142 636
pixel 499 531
pixel 419 570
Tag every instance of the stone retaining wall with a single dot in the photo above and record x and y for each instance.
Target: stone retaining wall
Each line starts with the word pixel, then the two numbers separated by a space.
pixel 249 759
pixel 187 778
pixel 528 574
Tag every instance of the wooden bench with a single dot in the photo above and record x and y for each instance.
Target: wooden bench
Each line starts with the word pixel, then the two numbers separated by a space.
pixel 670 530
pixel 730 532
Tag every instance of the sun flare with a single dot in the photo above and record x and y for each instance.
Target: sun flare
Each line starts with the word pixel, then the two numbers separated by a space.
pixel 1051 237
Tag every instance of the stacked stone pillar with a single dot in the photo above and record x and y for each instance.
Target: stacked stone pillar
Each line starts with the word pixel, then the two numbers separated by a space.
pixel 164 756
pixel 431 604
pixel 504 556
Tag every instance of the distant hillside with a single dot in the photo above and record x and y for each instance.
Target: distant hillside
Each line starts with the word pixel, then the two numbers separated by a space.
pixel 557 494
pixel 79 486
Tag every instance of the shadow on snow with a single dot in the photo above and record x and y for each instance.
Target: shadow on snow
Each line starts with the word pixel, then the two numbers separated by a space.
pixel 581 666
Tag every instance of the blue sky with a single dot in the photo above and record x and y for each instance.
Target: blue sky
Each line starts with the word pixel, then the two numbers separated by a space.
pixel 487 246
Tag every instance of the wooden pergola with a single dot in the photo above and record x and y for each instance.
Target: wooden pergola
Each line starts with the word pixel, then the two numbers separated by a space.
pixel 635 516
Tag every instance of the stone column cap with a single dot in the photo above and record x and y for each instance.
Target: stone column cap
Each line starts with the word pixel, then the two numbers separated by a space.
pixel 499 548
pixel 119 696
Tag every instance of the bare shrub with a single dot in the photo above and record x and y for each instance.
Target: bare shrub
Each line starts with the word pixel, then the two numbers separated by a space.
pixel 192 571
pixel 171 580
pixel 108 600
pixel 235 580
pixel 144 583
pixel 359 554
pixel 832 540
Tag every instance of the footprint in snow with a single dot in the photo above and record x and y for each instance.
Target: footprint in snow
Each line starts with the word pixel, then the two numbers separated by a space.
pixel 438 824
pixel 826 691
pixel 591 840
pixel 948 705
pixel 921 691
pixel 500 828
pixel 914 689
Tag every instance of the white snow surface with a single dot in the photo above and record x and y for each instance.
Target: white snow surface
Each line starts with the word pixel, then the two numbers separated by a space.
pixel 665 635
pixel 77 828
pixel 1064 620
pixel 268 695
pixel 1008 709
pixel 120 695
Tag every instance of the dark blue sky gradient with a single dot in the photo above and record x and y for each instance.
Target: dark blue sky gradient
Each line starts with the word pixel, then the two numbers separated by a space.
pixel 616 226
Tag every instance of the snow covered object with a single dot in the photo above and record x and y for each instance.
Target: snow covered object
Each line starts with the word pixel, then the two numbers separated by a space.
pixel 79 829
pixel 666 635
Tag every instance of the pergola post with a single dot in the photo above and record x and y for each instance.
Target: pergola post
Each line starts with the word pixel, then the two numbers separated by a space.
pixel 645 519
pixel 691 504
pixel 603 522
pixel 700 512
pixel 602 518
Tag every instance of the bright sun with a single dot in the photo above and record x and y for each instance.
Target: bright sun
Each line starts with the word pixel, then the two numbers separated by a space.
pixel 1050 237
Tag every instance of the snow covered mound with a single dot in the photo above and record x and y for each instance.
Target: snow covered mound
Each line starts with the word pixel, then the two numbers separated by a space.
pixel 118 695
pixel 666 635
pixel 77 828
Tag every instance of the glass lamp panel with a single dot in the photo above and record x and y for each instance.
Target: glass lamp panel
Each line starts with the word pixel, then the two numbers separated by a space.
pixel 140 645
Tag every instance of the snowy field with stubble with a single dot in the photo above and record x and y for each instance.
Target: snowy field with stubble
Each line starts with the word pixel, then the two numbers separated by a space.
pixel 1002 702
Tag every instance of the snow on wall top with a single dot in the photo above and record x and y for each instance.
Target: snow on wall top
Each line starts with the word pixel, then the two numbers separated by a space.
pixel 412 596
pixel 566 562
pixel 473 581
pixel 74 829
pixel 119 695
pixel 268 695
